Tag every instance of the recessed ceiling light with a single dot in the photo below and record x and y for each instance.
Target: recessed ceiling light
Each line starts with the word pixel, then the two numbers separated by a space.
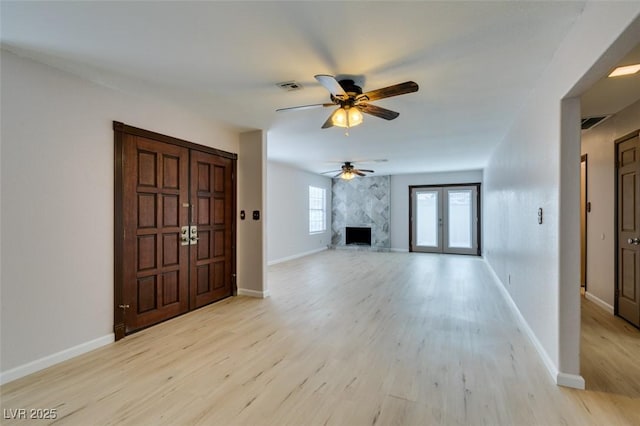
pixel 627 70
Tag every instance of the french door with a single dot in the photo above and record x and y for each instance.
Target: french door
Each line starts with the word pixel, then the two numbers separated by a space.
pixel 445 219
pixel 174 230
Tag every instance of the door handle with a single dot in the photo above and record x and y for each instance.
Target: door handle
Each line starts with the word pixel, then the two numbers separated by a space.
pixel 193 235
pixel 634 241
pixel 189 235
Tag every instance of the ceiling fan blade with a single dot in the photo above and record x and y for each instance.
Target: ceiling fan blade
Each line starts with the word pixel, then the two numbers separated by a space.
pixel 338 175
pixel 387 92
pixel 328 123
pixel 377 111
pixel 330 171
pixel 331 84
pixel 358 172
pixel 366 171
pixel 304 107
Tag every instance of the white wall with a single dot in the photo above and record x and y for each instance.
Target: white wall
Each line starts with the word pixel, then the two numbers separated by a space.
pixel 56 282
pixel 251 233
pixel 400 199
pixel 288 212
pixel 538 165
pixel 598 144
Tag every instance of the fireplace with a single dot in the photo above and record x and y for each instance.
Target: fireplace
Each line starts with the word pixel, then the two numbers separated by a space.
pixel 358 236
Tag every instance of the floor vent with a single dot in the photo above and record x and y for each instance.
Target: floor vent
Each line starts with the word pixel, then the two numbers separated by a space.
pixel 290 86
pixel 590 122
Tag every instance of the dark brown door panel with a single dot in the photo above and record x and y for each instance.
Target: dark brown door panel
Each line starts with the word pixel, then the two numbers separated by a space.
pixel 211 197
pixel 156 265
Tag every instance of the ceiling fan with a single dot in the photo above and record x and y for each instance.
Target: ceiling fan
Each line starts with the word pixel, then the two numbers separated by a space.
pixel 348 171
pixel 352 102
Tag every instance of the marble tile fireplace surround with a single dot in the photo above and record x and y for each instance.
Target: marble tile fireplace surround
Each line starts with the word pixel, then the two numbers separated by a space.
pixel 362 204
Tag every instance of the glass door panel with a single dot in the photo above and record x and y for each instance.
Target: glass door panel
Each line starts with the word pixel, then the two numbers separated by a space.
pixel 427 217
pixel 461 220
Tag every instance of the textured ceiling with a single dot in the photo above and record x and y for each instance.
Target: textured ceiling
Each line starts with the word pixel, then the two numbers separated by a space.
pixel 475 63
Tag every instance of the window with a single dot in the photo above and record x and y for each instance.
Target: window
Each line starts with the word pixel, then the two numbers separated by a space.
pixel 317 210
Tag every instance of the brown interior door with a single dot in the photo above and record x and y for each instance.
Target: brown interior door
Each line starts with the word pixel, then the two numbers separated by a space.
pixel 212 214
pixel 155 267
pixel 628 291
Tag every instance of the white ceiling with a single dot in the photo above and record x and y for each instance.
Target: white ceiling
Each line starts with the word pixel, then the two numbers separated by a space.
pixel 475 63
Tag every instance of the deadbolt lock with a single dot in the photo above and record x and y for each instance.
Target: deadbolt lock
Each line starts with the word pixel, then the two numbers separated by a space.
pixel 184 236
pixel 193 237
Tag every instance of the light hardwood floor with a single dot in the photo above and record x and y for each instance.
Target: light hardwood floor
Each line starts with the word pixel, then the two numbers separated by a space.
pixel 610 360
pixel 347 338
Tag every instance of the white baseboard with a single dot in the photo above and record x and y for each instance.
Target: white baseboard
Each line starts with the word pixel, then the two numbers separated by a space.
pixel 570 381
pixel 399 250
pixel 562 379
pixel 56 358
pixel 296 256
pixel 601 303
pixel 253 293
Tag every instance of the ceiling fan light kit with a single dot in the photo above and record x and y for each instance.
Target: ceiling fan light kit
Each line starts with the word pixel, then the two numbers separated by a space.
pixel 348 175
pixel 346 117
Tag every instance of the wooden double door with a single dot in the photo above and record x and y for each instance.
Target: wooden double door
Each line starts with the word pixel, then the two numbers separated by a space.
pixel 175 230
